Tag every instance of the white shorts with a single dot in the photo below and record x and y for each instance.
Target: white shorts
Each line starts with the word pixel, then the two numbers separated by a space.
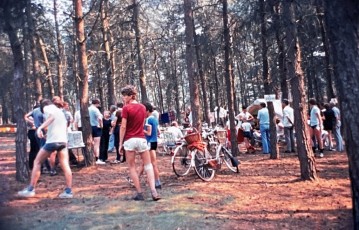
pixel 136 144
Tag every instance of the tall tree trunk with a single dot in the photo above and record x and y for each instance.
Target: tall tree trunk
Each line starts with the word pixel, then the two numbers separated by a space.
pixel 267 84
pixel 328 67
pixel 201 75
pixel 229 77
pixel 59 56
pixel 141 64
pixel 193 82
pixel 83 82
pixel 35 57
pixel 343 30
pixel 13 16
pixel 108 56
pixel 295 73
pixel 48 76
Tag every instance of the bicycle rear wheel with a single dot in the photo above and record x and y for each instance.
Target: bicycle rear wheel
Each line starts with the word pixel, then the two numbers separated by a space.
pixel 230 160
pixel 181 161
pixel 201 166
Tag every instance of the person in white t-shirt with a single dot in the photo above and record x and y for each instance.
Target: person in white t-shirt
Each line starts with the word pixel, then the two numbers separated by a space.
pixel 288 123
pixel 316 125
pixel 247 133
pixel 176 131
pixel 56 140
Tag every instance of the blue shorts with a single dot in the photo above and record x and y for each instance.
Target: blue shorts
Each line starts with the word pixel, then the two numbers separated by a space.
pixel 56 146
pixel 96 131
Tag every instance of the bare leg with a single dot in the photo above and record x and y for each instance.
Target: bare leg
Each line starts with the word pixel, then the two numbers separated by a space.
pixel 52 160
pixel 64 163
pixel 318 137
pixel 154 164
pixel 130 159
pixel 146 159
pixel 96 146
pixel 36 171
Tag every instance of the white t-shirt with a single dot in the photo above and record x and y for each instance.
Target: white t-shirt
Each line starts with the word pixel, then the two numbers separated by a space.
pixel 177 133
pixel 95 115
pixel 246 126
pixel 288 113
pixel 57 130
pixel 314 120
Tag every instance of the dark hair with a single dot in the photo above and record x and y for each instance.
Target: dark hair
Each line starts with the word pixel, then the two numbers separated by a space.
pixel 113 108
pixel 312 101
pixel 95 101
pixel 43 103
pixel 119 104
pixel 327 106
pixel 148 106
pixel 129 90
pixel 285 101
pixel 244 107
pixel 263 104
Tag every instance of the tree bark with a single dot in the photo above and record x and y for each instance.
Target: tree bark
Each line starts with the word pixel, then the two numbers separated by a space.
pixel 48 76
pixel 59 56
pixel 229 77
pixel 13 17
pixel 83 82
pixel 274 154
pixel 201 75
pixel 108 56
pixel 34 54
pixel 193 81
pixel 296 76
pixel 343 30
pixel 141 64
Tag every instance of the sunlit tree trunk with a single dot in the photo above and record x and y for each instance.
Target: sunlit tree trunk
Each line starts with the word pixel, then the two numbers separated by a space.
pixel 35 57
pixel 59 56
pixel 83 82
pixel 108 56
pixel 343 30
pixel 141 64
pixel 48 75
pixel 296 76
pixel 190 61
pixel 13 17
pixel 229 77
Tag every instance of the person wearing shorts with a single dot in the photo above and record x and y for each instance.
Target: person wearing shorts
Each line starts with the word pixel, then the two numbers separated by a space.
pixel 316 125
pixel 152 131
pixel 132 139
pixel 96 128
pixel 56 140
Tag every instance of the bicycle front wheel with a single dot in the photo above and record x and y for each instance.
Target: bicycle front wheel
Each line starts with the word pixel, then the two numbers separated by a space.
pixel 181 161
pixel 230 160
pixel 201 166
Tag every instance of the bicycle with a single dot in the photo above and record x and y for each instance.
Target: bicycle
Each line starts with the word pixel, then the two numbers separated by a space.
pixel 184 159
pixel 202 161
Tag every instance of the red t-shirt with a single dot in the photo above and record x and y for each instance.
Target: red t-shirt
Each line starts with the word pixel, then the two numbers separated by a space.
pixel 135 115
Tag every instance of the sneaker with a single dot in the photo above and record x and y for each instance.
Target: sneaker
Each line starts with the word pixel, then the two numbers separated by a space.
pixel 321 155
pixel 155 196
pixel 100 162
pixel 158 186
pixel 26 192
pixel 116 162
pixel 66 195
pixel 138 197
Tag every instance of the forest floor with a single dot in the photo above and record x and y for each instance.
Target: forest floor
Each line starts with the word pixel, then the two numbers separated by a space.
pixel 266 194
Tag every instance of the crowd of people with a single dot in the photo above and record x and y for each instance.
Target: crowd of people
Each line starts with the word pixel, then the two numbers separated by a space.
pixel 132 128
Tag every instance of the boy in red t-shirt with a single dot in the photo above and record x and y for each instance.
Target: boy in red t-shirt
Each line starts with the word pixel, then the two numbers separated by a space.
pixel 132 139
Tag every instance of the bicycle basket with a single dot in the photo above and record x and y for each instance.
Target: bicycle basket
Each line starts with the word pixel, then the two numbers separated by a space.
pixel 221 136
pixel 192 138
